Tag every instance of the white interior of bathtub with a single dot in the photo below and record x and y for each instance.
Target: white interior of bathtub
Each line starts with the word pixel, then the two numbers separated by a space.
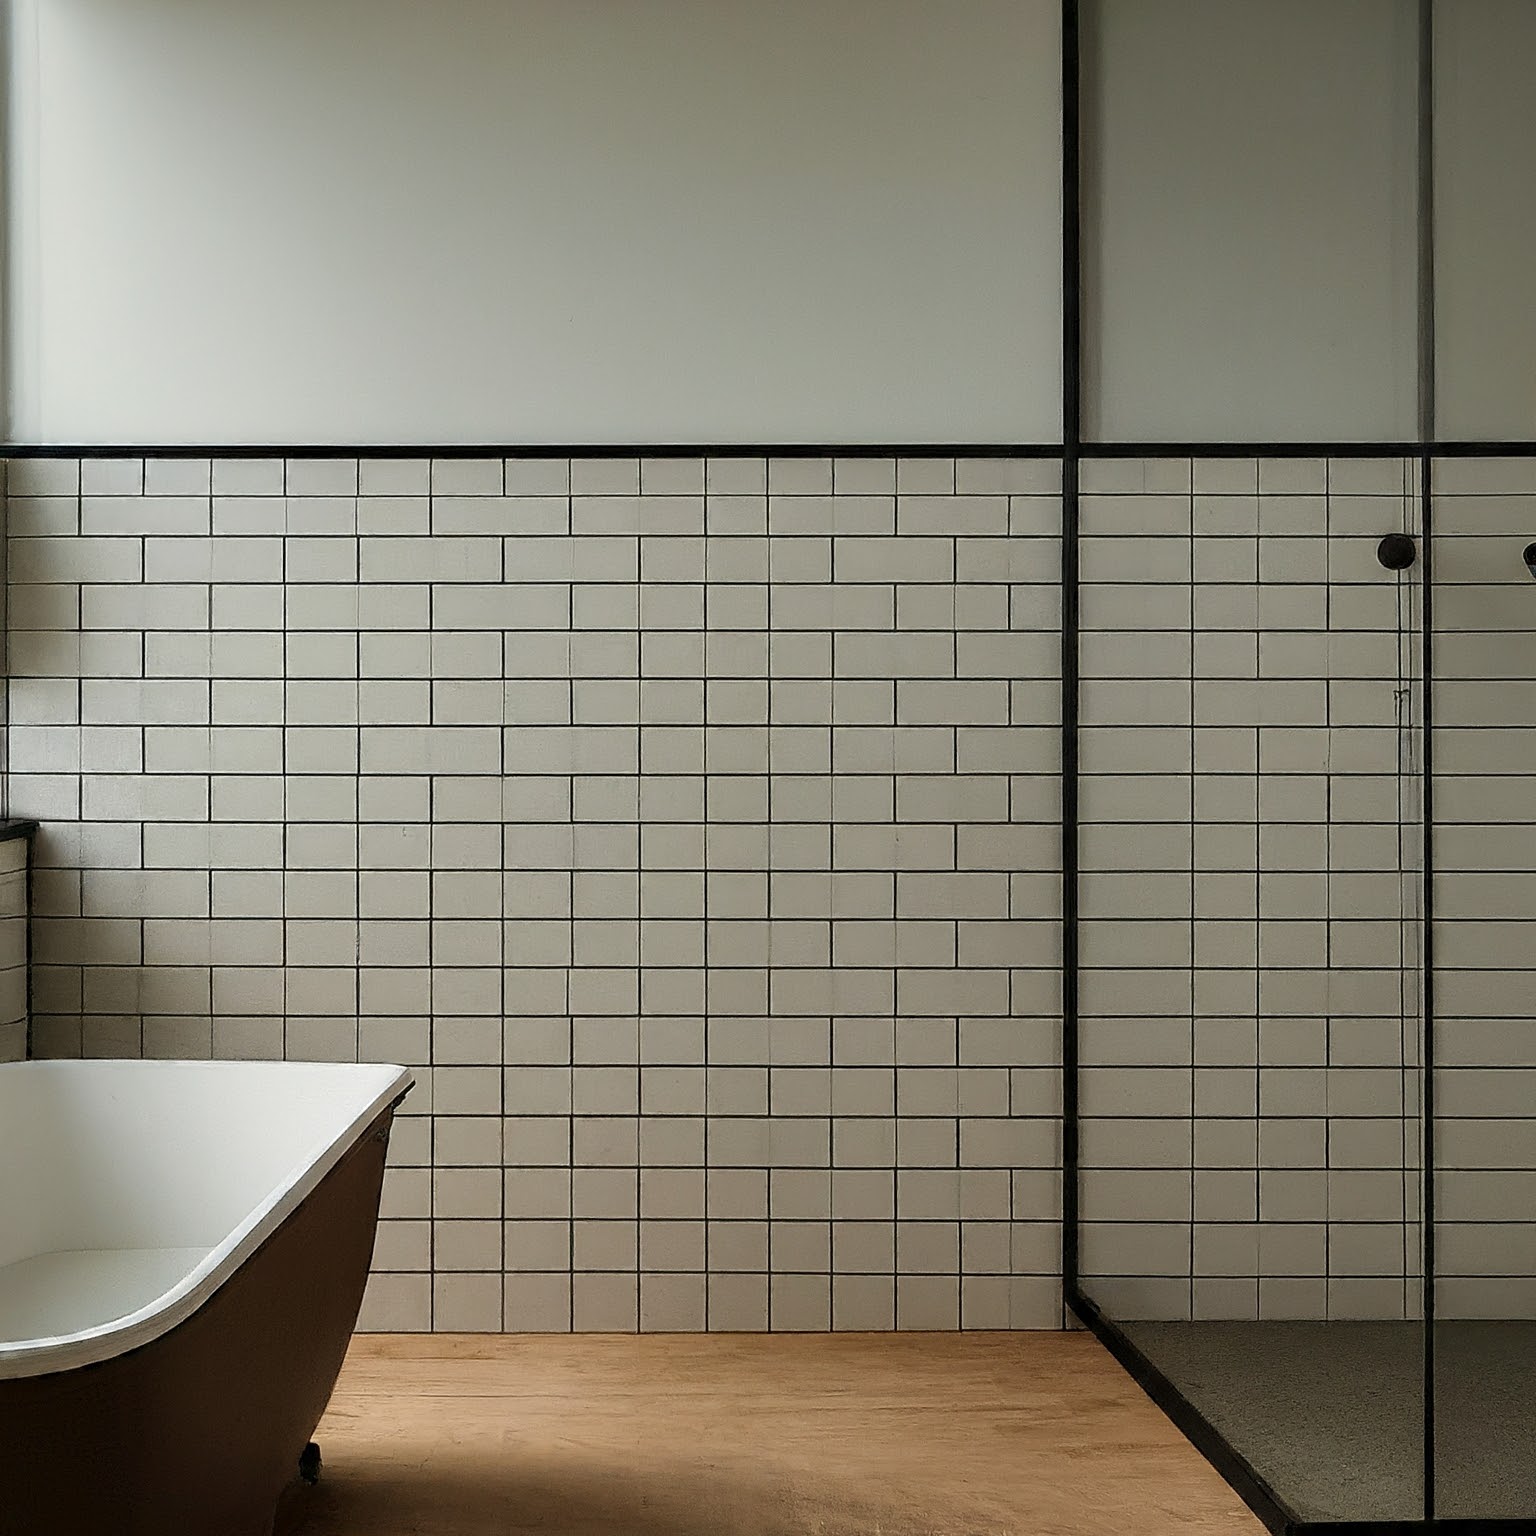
pixel 133 1189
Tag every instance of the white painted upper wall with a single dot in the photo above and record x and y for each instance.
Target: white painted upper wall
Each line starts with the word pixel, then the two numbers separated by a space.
pixel 541 221
pixel 1485 219
pixel 1249 204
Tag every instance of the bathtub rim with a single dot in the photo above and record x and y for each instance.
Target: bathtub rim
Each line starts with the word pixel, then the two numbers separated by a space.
pixel 23 1358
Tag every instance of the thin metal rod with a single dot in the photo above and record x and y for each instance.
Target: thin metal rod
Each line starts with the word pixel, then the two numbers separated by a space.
pixel 1426 223
pixel 1427 1099
pixel 1071 424
pixel 1427 429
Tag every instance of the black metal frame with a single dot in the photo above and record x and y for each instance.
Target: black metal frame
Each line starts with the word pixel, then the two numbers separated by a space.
pixel 1072 451
pixel 1427 426
pixel 1079 452
pixel 929 450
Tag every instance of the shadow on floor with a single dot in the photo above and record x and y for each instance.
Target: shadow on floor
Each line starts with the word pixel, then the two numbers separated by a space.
pixel 467 1498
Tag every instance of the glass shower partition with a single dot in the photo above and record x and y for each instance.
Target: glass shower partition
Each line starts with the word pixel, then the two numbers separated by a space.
pixel 1251 1029
pixel 1483 759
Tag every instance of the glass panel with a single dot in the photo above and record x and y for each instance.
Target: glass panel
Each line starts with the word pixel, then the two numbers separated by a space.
pixel 1249 199
pixel 1251 1019
pixel 1485 993
pixel 1485 219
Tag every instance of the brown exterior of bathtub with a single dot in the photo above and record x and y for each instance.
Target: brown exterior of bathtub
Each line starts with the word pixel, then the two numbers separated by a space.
pixel 198 1432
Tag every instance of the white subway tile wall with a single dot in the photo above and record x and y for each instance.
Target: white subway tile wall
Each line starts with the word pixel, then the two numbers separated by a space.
pixel 1251 1019
pixel 691 826
pixel 13 888
pixel 1485 887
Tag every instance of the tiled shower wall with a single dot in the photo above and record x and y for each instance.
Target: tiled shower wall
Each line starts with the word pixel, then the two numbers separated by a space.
pixel 1251 1019
pixel 1485 901
pixel 691 827
pixel 14 902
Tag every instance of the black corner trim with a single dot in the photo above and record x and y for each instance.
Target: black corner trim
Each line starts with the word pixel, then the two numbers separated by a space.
pixel 1247 1483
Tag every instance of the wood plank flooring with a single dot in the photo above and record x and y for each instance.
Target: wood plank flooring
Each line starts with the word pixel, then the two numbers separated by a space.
pixel 1019 1434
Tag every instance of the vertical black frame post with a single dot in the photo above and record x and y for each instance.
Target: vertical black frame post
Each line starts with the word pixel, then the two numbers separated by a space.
pixel 1428 426
pixel 1071 459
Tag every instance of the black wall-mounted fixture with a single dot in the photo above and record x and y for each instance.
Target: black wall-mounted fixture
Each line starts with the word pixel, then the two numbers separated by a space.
pixel 1398 551
pixel 1529 556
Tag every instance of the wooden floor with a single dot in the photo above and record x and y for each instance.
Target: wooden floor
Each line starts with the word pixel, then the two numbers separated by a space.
pixel 1028 1434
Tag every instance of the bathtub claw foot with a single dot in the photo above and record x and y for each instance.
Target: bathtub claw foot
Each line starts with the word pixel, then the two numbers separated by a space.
pixel 309 1464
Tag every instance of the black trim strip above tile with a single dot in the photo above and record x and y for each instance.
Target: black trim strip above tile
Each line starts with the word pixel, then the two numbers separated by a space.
pixel 1504 449
pixel 1469 450
pixel 1229 450
pixel 532 451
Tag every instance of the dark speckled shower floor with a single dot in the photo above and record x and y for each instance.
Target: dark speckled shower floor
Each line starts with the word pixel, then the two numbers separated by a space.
pixel 1332 1414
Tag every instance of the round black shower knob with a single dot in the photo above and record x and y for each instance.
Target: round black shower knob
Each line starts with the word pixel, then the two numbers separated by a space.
pixel 1397 552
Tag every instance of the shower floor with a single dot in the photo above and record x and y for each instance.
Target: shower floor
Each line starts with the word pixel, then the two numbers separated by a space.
pixel 1331 1415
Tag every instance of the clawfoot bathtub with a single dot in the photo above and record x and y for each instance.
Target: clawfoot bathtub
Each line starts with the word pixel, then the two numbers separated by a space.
pixel 183 1250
